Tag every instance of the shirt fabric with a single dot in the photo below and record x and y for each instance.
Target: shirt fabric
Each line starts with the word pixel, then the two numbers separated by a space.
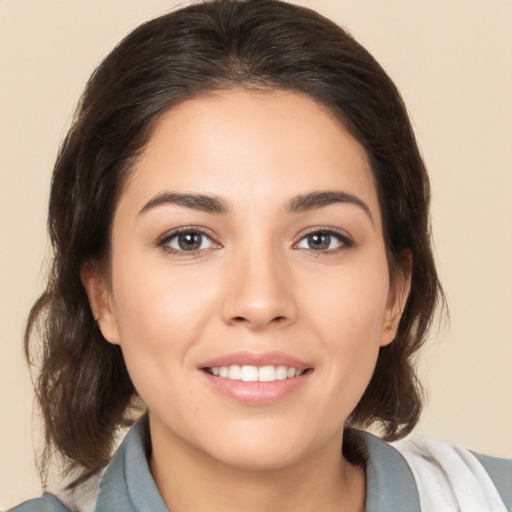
pixel 127 484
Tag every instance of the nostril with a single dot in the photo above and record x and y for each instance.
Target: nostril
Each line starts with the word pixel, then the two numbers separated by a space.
pixel 258 318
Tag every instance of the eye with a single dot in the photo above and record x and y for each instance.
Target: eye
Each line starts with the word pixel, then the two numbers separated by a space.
pixel 187 240
pixel 325 240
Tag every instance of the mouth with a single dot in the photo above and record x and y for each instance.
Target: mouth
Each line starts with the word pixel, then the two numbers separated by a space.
pixel 256 379
pixel 249 373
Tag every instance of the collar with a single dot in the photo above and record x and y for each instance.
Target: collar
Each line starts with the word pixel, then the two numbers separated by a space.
pixel 128 486
pixel 390 484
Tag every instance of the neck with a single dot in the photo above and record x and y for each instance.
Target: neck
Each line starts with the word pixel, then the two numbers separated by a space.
pixel 189 480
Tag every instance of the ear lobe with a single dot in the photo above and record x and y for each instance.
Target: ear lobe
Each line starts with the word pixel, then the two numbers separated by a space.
pixel 100 300
pixel 397 299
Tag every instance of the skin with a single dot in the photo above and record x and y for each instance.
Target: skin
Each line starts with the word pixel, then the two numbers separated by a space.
pixel 256 284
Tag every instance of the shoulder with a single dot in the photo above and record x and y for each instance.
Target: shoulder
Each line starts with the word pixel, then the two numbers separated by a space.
pixel 500 472
pixel 448 472
pixel 80 499
pixel 125 485
pixel 46 503
pixel 416 474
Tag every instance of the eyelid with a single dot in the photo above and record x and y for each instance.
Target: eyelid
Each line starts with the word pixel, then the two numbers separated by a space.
pixel 164 239
pixel 346 239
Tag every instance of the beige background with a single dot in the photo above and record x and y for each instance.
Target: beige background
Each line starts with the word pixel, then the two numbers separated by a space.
pixel 452 61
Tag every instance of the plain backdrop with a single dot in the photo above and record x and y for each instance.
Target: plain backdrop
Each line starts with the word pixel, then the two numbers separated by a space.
pixel 452 61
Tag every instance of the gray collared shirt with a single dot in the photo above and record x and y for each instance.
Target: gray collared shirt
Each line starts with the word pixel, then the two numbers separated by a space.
pixel 127 485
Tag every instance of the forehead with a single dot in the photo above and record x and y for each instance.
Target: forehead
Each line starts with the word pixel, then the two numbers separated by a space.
pixel 245 145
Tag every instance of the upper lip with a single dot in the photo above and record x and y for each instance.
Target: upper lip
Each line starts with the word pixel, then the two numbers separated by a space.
pixel 242 358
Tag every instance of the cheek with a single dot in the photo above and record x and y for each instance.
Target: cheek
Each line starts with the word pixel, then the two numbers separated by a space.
pixel 350 303
pixel 155 301
pixel 160 315
pixel 347 311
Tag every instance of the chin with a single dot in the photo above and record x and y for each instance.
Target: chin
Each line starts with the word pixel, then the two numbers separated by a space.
pixel 257 458
pixel 265 447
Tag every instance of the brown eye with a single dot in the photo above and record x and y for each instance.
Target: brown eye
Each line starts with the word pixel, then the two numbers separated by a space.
pixel 326 241
pixel 187 241
pixel 319 241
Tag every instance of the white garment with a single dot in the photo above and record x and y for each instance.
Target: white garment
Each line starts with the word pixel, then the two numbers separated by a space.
pixel 83 498
pixel 449 478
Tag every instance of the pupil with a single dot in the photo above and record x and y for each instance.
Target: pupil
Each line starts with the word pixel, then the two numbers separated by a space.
pixel 319 241
pixel 190 241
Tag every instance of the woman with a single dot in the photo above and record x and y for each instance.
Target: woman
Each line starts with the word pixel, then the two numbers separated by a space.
pixel 239 216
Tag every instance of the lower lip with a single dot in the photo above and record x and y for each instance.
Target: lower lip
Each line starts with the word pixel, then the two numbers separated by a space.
pixel 257 393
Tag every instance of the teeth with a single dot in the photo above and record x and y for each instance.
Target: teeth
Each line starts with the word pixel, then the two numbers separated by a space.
pixel 234 372
pixel 249 373
pixel 267 374
pixel 281 372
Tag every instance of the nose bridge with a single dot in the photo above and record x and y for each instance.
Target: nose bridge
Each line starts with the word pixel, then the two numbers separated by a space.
pixel 261 288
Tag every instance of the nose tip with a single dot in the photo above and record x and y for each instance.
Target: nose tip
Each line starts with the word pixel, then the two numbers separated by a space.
pixel 260 295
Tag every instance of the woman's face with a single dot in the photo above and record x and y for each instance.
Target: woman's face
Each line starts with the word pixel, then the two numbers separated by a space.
pixel 249 286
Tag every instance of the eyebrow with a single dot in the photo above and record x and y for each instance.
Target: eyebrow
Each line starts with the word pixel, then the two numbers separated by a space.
pixel 315 200
pixel 213 204
pixel 209 204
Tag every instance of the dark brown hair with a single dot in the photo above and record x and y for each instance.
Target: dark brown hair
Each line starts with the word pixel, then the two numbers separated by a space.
pixel 83 388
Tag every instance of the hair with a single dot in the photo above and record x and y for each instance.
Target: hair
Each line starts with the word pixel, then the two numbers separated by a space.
pixel 83 387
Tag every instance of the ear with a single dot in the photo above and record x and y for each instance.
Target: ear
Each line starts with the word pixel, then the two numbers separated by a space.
pixel 96 284
pixel 398 293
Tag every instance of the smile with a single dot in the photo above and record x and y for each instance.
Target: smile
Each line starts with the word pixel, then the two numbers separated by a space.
pixel 248 373
pixel 256 379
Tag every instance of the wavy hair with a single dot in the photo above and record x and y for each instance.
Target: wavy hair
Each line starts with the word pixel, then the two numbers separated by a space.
pixel 83 388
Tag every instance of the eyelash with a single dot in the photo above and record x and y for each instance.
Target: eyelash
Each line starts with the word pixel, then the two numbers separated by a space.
pixel 346 242
pixel 193 230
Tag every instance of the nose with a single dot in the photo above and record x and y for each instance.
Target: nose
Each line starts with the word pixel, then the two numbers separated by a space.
pixel 259 293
